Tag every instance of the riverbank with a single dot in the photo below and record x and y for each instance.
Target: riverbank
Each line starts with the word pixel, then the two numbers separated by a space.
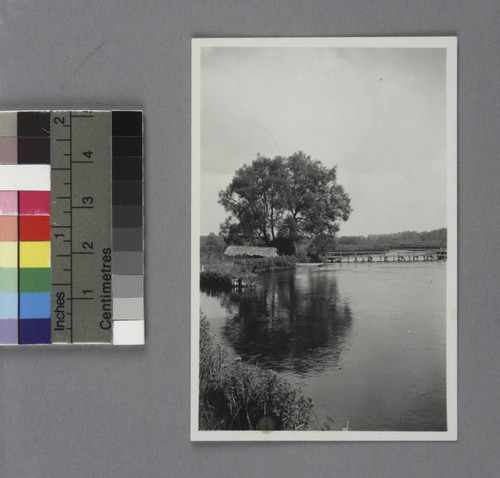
pixel 241 272
pixel 234 395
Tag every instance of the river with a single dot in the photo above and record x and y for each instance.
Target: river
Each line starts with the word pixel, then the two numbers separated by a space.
pixel 366 341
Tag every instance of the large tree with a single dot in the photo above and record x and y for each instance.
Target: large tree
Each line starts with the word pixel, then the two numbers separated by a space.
pixel 283 198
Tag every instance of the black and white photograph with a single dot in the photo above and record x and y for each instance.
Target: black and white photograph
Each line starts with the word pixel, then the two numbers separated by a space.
pixel 324 239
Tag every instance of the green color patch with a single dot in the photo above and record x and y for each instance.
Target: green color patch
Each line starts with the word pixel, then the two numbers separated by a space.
pixel 34 280
pixel 8 279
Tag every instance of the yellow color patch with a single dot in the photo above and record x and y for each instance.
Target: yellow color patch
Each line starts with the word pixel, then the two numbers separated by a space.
pixel 8 254
pixel 34 254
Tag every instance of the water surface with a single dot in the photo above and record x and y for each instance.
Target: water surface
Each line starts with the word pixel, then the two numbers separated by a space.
pixel 365 341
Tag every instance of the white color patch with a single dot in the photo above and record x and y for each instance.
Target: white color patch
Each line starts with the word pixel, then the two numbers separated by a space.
pixel 24 177
pixel 128 332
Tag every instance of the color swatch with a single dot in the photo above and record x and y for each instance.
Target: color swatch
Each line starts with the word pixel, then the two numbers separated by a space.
pixel 34 267
pixel 9 302
pixel 71 227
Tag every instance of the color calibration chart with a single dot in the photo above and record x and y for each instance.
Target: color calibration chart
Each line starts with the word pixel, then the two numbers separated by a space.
pixel 71 227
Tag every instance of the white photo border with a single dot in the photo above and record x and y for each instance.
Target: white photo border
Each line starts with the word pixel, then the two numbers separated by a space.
pixel 450 44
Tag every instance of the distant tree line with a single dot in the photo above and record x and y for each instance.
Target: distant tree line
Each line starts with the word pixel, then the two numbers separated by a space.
pixel 430 239
pixel 212 247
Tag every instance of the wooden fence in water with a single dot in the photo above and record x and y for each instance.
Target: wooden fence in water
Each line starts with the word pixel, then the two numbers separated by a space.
pixel 407 255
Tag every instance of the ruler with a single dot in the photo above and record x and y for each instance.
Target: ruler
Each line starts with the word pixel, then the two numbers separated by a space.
pixel 81 208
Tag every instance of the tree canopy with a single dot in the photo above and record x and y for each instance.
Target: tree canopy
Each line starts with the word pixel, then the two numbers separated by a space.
pixel 284 198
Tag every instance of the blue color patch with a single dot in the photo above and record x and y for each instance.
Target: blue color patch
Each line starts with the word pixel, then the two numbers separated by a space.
pixel 34 305
pixel 34 331
pixel 8 305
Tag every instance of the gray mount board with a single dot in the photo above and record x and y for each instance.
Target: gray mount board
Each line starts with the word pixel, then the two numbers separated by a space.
pixel 125 413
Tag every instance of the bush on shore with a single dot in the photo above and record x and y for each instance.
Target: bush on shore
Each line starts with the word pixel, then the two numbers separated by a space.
pixel 221 275
pixel 237 396
pixel 267 264
pixel 215 279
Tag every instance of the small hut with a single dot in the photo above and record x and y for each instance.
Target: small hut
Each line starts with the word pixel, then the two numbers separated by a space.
pixel 251 251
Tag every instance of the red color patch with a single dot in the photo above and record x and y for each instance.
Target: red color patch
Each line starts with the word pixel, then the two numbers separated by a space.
pixel 34 228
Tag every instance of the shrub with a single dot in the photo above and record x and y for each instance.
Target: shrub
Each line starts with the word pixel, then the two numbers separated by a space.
pixel 236 396
pixel 216 279
pixel 267 264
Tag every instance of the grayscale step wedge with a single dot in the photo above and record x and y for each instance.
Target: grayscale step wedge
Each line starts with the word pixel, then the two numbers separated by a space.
pixel 128 236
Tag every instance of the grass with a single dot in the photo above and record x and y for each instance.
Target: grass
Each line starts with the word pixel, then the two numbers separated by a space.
pixel 239 396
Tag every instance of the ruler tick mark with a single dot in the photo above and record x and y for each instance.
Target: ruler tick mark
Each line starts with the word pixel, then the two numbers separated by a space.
pixel 88 233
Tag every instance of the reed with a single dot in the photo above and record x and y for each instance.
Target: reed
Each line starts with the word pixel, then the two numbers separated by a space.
pixel 240 396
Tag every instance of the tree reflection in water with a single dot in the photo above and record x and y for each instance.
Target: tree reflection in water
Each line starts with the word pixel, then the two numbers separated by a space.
pixel 290 322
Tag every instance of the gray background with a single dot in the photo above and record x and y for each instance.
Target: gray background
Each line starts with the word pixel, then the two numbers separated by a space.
pixel 102 412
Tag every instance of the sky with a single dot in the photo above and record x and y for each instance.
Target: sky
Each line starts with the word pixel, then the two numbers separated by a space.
pixel 378 114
